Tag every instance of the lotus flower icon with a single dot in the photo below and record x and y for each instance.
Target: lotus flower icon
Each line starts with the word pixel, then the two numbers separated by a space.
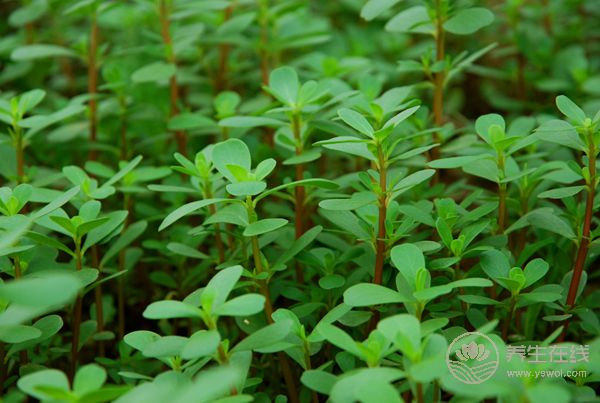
pixel 476 358
pixel 472 351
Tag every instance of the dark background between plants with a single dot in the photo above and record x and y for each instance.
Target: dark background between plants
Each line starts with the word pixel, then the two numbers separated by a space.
pixel 543 49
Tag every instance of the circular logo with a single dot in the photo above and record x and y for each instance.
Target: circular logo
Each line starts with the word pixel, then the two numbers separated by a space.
pixel 472 358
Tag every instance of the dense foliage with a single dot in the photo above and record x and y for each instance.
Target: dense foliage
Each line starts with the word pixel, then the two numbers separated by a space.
pixel 294 200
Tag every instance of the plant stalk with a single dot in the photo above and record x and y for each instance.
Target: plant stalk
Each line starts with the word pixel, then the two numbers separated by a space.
pixel 98 299
pixel 76 315
pixel 264 289
pixel 508 319
pixel 263 20
pixel 222 79
pixel 584 244
pixel 180 136
pixel 299 191
pixel 93 85
pixel 18 274
pixel 120 279
pixel 123 128
pixel 20 154
pixel 438 78
pixel 380 242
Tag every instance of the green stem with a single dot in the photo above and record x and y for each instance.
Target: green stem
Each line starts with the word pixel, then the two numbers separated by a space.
pixel 98 299
pixel 582 251
pixel 17 133
pixel 439 77
pixel 420 398
pixel 76 315
pixel 380 242
pixel 508 319
pixel 264 289
pixel 164 11
pixel 308 366
pixel 93 84
pixel 501 195
pixel 299 191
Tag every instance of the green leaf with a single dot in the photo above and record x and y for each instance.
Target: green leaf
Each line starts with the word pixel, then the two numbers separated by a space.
pixel 130 234
pixel 187 121
pixel 411 181
pixel 284 85
pixel 202 343
pixel 231 152
pixel 570 109
pixel 413 19
pixel 561 193
pixel 319 381
pixel 115 219
pixel 374 8
pixel 401 117
pixel 404 330
pixel 298 245
pixel 321 183
pixel 249 188
pixel 18 333
pixel 42 289
pixel 40 51
pixel 469 20
pixel 28 13
pixel 560 132
pixel 368 385
pixel 89 378
pixel 349 145
pixel 46 377
pixel 357 122
pixel 140 339
pixel 264 168
pixel 483 168
pixel 164 347
pixel 105 394
pixel 130 166
pixel 56 203
pixel 154 72
pixel 48 327
pixel 171 309
pixel 265 337
pixel 431 293
pixel 357 200
pixel 366 294
pixel 187 209
pixel 535 270
pixel 263 226
pixel 408 259
pixel 185 250
pixel 224 281
pixel 471 282
pixel 495 264
pixel 453 162
pixel 478 300
pixel 331 281
pixel 547 219
pixel 30 99
pixel 244 305
pixel 485 122
pixel 249 122
pixel 339 338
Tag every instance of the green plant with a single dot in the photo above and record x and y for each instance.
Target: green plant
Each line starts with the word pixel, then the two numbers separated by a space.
pixel 233 201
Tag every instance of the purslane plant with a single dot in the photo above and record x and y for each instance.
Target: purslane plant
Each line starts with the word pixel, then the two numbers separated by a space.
pixel 233 161
pixel 582 134
pixel 378 142
pixel 239 274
